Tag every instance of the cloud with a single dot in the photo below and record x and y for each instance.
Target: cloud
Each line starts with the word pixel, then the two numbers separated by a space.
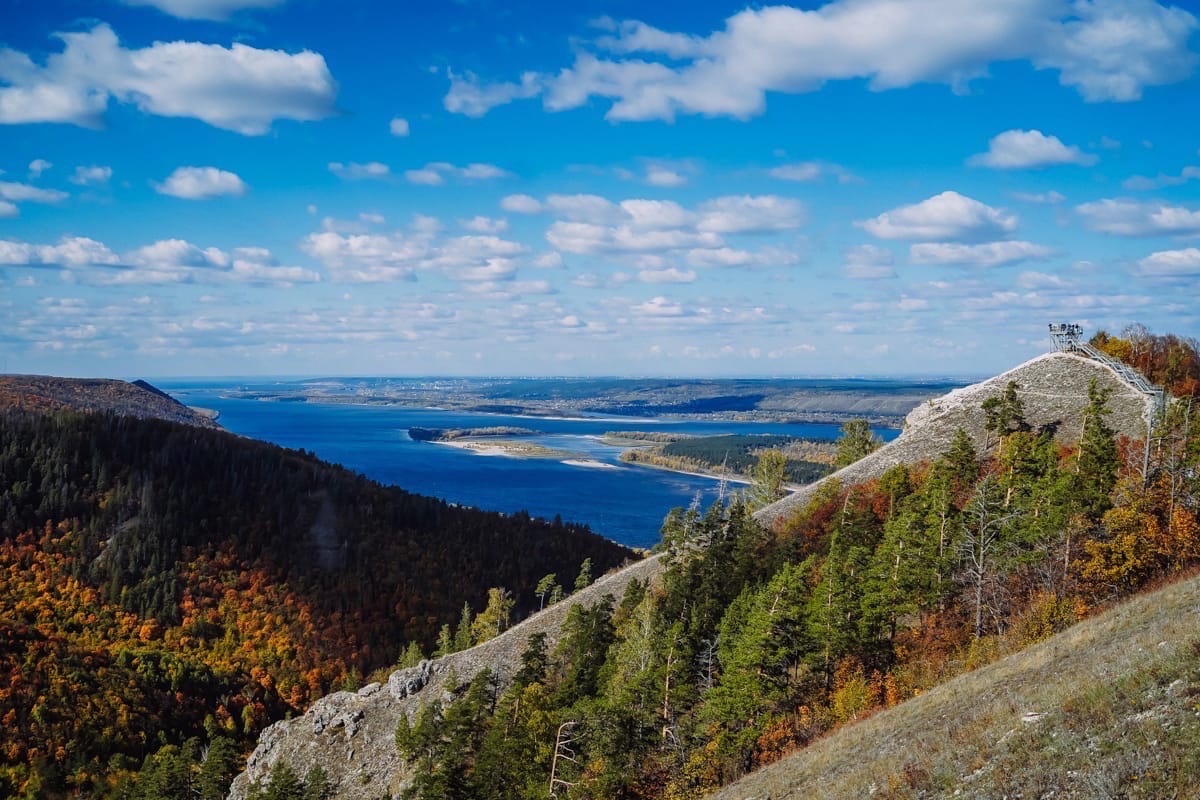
pixel 201 183
pixel 750 214
pixel 810 172
pixel 658 307
pixel 435 173
pixel 37 167
pixel 204 9
pixel 162 262
pixel 1017 149
pixel 990 254
pixel 355 171
pixel 1040 198
pixel 1107 50
pixel 1140 183
pixel 401 255
pixel 1131 218
pixel 91 176
pixel 669 275
pixel 8 210
pixel 481 224
pixel 238 88
pixel 521 204
pixel 868 262
pixel 659 175
pixel 471 98
pixel 1171 264
pixel 551 260
pixel 71 251
pixel 948 216
pixel 24 193
pixel 398 126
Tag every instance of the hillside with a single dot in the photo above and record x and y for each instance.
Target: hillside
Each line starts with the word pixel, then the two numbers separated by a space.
pixel 138 399
pixel 162 582
pixel 1108 708
pixel 874 586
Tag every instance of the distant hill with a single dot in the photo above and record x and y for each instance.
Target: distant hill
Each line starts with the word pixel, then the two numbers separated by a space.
pixel 138 399
pixel 162 581
pixel 740 643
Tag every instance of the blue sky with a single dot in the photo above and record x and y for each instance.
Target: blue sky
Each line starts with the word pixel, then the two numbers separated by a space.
pixel 858 187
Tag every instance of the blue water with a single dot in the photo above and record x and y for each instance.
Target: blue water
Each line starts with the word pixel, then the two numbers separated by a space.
pixel 626 503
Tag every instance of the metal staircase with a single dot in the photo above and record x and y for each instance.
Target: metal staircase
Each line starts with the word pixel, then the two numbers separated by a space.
pixel 1066 338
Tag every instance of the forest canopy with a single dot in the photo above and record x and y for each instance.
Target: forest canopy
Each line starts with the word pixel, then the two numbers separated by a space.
pixel 161 583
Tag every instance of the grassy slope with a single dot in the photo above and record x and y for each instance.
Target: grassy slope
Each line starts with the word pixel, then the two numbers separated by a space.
pixel 1108 708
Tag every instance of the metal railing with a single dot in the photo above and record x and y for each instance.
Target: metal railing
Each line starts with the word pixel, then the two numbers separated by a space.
pixel 1067 338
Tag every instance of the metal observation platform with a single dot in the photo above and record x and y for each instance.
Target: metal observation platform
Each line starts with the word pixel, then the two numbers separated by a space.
pixel 1067 337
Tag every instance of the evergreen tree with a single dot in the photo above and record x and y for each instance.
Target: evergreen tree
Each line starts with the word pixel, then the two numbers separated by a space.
pixel 584 579
pixel 1098 460
pixel 545 587
pixel 855 442
pixel 220 765
pixel 464 637
pixel 494 618
pixel 412 656
pixel 769 474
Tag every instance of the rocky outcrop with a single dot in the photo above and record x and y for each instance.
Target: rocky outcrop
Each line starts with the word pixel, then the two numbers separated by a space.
pixel 1053 389
pixel 351 735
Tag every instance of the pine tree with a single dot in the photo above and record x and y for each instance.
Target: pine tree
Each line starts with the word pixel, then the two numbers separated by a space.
pixel 769 473
pixel 464 637
pixel 494 618
pixel 1098 460
pixel 584 579
pixel 855 442
pixel 545 587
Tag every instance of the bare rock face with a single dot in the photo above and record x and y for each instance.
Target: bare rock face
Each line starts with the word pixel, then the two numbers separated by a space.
pixel 1053 389
pixel 352 735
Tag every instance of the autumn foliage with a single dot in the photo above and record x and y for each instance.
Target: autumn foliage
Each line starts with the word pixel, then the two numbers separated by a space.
pixel 160 583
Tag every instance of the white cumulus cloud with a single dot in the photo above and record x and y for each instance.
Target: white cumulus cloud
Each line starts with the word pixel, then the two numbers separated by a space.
pixel 201 183
pixel 946 216
pixel 1132 218
pixel 398 126
pixel 238 88
pixel 1171 263
pixel 1107 50
pixel 38 166
pixel 1017 149
pixel 91 176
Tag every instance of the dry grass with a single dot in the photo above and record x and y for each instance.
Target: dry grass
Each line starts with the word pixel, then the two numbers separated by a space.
pixel 1109 708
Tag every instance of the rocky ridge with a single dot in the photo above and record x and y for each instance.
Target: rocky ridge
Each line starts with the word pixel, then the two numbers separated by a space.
pixel 351 734
pixel 1053 389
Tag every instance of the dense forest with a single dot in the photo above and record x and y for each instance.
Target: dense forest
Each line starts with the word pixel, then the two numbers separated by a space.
pixel 167 591
pixel 755 642
pixel 738 454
